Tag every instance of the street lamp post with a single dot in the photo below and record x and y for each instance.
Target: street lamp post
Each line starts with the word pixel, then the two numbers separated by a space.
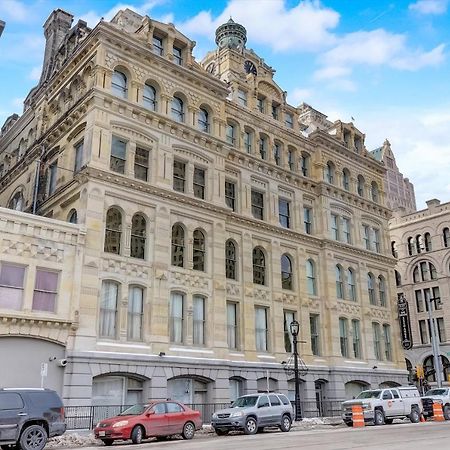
pixel 435 342
pixel 294 328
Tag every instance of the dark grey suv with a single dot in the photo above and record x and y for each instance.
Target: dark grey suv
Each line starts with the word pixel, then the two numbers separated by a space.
pixel 28 417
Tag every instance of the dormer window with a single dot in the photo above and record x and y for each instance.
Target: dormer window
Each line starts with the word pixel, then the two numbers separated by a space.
pixel 177 59
pixel 158 48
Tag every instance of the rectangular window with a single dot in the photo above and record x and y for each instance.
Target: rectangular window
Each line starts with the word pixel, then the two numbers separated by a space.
pixel 376 240
pixel 277 154
pixel 290 160
pixel 307 219
pixel 179 176
pixel 231 134
pixel 419 301
pixel 199 183
pixel 315 336
pixel 232 326
pixel 436 298
pixel 230 195
pixel 343 336
pixel 284 213
pixel 135 313
pixel 108 309
pixel 177 56
pixel 141 161
pixel 53 172
pixel 275 111
pixel 441 329
pixel 356 335
pixel 289 317
pixel 334 227
pixel 242 97
pixel 366 237
pixel 387 342
pixel 346 230
pixel 199 317
pixel 118 155
pixel 289 120
pixel 376 340
pixel 261 329
pixel 261 104
pixel 248 138
pixel 263 147
pixel 45 290
pixel 257 205
pixel 158 46
pixel 79 149
pixel 423 332
pixel 11 286
pixel 176 315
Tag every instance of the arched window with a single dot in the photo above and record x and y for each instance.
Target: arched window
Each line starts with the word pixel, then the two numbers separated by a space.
pixel 339 282
pixel 149 97
pixel 199 251
pixel 305 164
pixel 351 284
pixel 263 144
pixel 382 290
pixel 230 260
pixel 427 242
pixel 419 243
pixel 411 246
pixel 428 368
pixel 446 236
pixel 371 289
pixel 374 192
pixel 361 186
pixel 394 249
pixel 286 272
pixel 311 277
pixel 231 133
pixel 416 277
pixel 113 233
pixel 346 179
pixel 108 309
pixel 203 120
pixel 329 172
pixel 119 84
pixel 135 313
pixel 138 232
pixel 17 202
pixel 177 246
pixel 398 278
pixel 259 266
pixel 277 153
pixel 177 109
pixel 73 216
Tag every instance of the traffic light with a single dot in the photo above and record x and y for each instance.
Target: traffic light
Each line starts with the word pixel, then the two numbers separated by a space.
pixel 419 372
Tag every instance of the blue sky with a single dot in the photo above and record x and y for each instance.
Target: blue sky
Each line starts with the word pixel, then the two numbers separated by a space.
pixel 385 63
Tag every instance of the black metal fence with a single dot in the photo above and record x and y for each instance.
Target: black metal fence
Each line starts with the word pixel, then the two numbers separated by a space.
pixel 86 417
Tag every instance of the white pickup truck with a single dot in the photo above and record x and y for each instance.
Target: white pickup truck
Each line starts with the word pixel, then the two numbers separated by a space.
pixel 382 406
pixel 436 395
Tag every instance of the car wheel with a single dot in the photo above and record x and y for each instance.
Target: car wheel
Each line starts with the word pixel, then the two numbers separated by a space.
pixel 137 434
pixel 388 421
pixel 188 430
pixel 108 442
pixel 220 432
pixel 33 437
pixel 414 417
pixel 379 417
pixel 447 412
pixel 251 427
pixel 286 423
pixel 349 424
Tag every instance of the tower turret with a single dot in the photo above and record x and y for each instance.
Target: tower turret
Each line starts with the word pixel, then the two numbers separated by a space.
pixel 231 35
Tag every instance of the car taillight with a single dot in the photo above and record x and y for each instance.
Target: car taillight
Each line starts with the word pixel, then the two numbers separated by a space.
pixel 62 412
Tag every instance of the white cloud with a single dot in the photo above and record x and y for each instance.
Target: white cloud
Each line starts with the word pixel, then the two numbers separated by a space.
pixel 13 10
pixel 35 73
pixel 299 95
pixel 332 72
pixel 429 6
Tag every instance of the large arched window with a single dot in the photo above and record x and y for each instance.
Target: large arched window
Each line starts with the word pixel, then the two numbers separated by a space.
pixel 177 109
pixel 199 251
pixel 371 289
pixel 203 120
pixel 230 260
pixel 138 232
pixel 424 271
pixel 339 282
pixel 382 290
pixel 361 186
pixel 410 244
pixel 346 179
pixel 113 233
pixel 135 313
pixel 428 368
pixel 311 277
pixel 329 172
pixel 427 242
pixel 394 249
pixel 149 97
pixel 73 216
pixel 286 272
pixel 119 84
pixel 177 245
pixel 16 202
pixel 446 236
pixel 374 192
pixel 351 284
pixel 259 266
pixel 108 309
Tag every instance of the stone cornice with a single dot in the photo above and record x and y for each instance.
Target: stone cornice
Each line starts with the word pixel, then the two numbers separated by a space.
pixel 20 319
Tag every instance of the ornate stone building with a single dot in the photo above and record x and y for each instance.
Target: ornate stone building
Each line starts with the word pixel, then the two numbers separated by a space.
pixel 421 241
pixel 215 213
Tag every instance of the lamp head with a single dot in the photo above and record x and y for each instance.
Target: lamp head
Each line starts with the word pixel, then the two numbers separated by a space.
pixel 294 327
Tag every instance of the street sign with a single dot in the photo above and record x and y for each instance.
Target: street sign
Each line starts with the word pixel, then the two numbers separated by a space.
pixel 405 324
pixel 44 369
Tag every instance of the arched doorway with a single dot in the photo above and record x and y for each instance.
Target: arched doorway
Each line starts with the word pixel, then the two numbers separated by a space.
pixel 353 388
pixel 267 384
pixel 430 373
pixel 117 390
pixel 188 390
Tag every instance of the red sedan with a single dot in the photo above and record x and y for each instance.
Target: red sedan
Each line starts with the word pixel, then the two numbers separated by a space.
pixel 156 419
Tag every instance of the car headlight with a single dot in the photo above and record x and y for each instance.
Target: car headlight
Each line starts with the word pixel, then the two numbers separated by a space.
pixel 214 416
pixel 237 414
pixel 122 423
pixel 96 426
pixel 367 406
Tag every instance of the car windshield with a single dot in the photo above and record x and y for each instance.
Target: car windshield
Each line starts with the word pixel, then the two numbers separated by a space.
pixel 436 392
pixel 134 410
pixel 243 402
pixel 369 394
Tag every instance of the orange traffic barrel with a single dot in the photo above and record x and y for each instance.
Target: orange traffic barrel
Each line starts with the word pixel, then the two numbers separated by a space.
pixel 438 415
pixel 357 416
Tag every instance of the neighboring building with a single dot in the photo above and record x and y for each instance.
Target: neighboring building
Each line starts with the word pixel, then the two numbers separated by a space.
pixel 421 241
pixel 215 213
pixel 399 190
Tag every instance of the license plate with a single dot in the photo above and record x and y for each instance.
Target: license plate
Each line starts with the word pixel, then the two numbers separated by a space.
pixel 101 433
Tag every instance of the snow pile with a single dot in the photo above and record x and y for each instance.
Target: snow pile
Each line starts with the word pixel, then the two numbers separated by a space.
pixel 72 440
pixel 313 421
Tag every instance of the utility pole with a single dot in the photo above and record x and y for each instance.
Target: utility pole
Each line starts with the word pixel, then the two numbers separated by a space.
pixel 294 328
pixel 435 341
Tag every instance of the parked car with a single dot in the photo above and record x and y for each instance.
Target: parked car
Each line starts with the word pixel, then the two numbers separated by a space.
pixel 156 419
pixel 437 395
pixel 28 417
pixel 382 406
pixel 251 413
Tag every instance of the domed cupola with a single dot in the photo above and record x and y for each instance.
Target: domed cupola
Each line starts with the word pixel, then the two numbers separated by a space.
pixel 231 35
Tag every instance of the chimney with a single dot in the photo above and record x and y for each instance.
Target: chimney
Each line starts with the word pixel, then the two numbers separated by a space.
pixel 433 204
pixel 56 28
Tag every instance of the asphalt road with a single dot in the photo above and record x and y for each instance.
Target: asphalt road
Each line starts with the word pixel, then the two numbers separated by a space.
pixel 402 436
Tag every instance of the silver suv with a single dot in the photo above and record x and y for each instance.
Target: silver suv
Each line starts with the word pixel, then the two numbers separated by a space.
pixel 253 412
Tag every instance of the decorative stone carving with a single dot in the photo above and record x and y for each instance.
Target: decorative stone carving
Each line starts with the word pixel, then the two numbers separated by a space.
pixel 125 268
pixel 289 299
pixel 29 250
pixel 233 290
pixel 261 295
pixel 349 308
pixel 186 279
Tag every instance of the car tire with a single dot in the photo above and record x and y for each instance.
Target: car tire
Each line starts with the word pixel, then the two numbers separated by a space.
pixel 220 432
pixel 286 423
pixel 349 423
pixel 137 434
pixel 251 426
pixel 33 437
pixel 414 417
pixel 188 431
pixel 379 417
pixel 388 421
pixel 446 411
pixel 108 442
